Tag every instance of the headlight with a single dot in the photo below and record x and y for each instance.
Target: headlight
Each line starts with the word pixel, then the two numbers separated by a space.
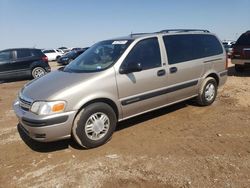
pixel 47 108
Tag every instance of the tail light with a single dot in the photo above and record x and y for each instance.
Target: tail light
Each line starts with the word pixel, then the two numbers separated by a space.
pixel 226 63
pixel 232 53
pixel 45 59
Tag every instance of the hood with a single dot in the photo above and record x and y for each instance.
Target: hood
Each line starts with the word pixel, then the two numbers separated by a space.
pixel 53 84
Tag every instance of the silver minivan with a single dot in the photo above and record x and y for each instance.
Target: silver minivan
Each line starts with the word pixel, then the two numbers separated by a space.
pixel 118 79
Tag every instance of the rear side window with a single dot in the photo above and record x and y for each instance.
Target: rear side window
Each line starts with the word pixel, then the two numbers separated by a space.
pixel 244 39
pixel 146 52
pixel 181 48
pixel 23 53
pixel 48 51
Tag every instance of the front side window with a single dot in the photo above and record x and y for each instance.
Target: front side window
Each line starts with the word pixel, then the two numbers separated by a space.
pixel 99 57
pixel 145 52
pixel 5 56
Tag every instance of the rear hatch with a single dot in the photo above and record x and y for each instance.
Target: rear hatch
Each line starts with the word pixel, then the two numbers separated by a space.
pixel 241 49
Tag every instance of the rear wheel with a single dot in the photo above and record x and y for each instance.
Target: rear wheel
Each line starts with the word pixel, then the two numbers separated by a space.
pixel 239 68
pixel 38 72
pixel 207 92
pixel 94 125
pixel 57 58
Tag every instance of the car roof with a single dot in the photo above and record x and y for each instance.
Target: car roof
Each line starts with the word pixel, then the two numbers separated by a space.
pixel 134 36
pixel 20 49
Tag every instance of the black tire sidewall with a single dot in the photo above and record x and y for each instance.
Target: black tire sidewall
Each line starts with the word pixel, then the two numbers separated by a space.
pixel 239 68
pixel 84 115
pixel 204 100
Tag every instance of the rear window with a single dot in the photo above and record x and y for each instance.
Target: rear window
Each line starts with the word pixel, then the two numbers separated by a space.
pixel 181 48
pixel 244 39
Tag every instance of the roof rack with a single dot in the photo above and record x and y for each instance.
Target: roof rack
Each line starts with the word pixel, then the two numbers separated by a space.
pixel 172 31
pixel 183 30
pixel 133 34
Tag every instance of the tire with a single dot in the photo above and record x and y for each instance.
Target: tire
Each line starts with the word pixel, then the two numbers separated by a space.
pixel 239 68
pixel 38 72
pixel 207 92
pixel 94 125
pixel 57 58
pixel 69 61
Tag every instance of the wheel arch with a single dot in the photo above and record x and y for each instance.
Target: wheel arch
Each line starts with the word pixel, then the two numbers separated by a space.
pixel 107 101
pixel 215 76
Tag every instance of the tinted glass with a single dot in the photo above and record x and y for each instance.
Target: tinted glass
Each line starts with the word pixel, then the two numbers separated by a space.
pixel 5 56
pixel 145 52
pixel 244 39
pixel 37 52
pixel 48 51
pixel 23 53
pixel 99 57
pixel 181 48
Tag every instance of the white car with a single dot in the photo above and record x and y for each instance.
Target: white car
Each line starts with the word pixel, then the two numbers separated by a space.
pixel 53 54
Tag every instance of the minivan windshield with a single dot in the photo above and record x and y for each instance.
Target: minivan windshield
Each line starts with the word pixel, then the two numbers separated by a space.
pixel 99 57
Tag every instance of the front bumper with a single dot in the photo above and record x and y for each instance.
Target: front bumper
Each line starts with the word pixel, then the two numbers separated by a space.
pixel 45 128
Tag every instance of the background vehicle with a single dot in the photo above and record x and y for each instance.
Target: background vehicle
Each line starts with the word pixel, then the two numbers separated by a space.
pixel 23 62
pixel 70 56
pixel 60 51
pixel 228 45
pixel 76 49
pixel 64 49
pixel 121 78
pixel 52 54
pixel 241 52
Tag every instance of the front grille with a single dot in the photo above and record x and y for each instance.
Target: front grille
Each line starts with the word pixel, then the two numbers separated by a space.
pixel 24 104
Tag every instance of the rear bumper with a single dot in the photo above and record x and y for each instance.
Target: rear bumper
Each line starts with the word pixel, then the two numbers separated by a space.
pixel 45 128
pixel 240 61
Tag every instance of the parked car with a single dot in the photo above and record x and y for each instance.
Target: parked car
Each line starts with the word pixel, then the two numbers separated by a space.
pixel 52 54
pixel 75 49
pixel 22 62
pixel 228 45
pixel 60 51
pixel 70 56
pixel 64 49
pixel 121 78
pixel 241 52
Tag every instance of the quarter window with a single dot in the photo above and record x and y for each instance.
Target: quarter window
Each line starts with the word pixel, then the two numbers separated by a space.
pixel 181 48
pixel 146 52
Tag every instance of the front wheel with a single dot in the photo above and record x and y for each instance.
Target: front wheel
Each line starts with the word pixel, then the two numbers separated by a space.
pixel 94 125
pixel 207 92
pixel 38 72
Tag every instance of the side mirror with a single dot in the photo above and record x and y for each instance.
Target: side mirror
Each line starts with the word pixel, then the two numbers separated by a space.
pixel 131 67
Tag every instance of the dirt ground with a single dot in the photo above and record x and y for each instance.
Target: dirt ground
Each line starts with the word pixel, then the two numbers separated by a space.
pixel 180 146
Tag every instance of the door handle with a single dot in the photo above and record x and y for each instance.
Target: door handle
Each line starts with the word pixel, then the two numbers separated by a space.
pixel 161 72
pixel 173 69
